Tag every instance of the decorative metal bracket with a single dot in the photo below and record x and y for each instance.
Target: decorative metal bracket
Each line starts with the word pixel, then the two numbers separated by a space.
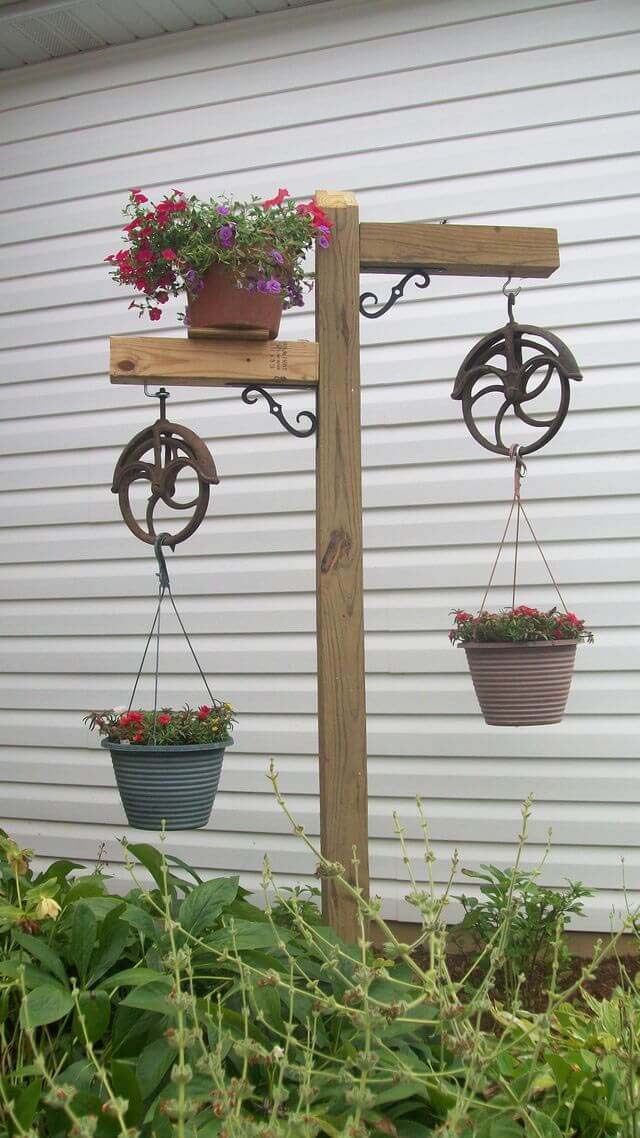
pixel 250 395
pixel 369 298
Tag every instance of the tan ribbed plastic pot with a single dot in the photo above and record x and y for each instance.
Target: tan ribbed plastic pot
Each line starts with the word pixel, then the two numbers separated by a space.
pixel 224 306
pixel 522 685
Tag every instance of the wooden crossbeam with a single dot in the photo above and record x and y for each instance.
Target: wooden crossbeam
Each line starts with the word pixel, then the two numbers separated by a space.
pixel 213 363
pixel 458 250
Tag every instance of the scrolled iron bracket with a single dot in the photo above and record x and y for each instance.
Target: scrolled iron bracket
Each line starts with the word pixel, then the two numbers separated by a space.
pixel 253 391
pixel 369 298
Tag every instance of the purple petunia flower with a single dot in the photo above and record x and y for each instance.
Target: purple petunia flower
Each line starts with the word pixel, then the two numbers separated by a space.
pixel 276 256
pixel 323 241
pixel 223 209
pixel 227 235
pixel 273 285
pixel 262 285
pixel 194 281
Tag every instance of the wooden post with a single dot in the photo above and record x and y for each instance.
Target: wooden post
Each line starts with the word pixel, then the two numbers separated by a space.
pixel 340 620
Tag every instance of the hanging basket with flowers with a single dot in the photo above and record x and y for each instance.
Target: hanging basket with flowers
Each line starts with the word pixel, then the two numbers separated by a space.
pixel 521 662
pixel 521 658
pixel 167 763
pixel 239 264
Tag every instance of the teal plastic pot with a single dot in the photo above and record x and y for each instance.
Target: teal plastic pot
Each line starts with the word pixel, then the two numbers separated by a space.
pixel 174 787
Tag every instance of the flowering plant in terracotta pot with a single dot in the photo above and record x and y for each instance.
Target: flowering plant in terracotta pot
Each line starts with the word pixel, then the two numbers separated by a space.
pixel 182 245
pixel 167 763
pixel 521 661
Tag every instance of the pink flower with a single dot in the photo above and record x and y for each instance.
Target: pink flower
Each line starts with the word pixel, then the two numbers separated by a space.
pixel 138 197
pixel 169 255
pixel 281 196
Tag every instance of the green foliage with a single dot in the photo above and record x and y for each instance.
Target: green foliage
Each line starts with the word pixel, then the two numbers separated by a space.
pixel 526 918
pixel 517 626
pixel 168 728
pixel 182 1010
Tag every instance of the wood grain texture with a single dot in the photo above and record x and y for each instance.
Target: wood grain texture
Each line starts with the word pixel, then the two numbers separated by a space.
pixel 340 624
pixel 213 363
pixel 458 250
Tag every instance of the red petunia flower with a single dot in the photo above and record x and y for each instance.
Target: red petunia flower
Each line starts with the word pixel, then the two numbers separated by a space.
pixel 524 610
pixel 162 297
pixel 169 255
pixel 461 616
pixel 281 196
pixel 155 313
pixel 204 712
pixel 138 197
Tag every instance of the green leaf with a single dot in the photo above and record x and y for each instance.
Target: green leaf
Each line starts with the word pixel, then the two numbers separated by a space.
pixel 125 1084
pixel 58 869
pixel 92 886
pixel 504 1128
pixel 406 1128
pixel 204 904
pixel 33 977
pixel 267 1006
pixel 43 953
pixel 154 1062
pixel 114 937
pixel 84 932
pixel 248 934
pixel 152 861
pixel 141 921
pixel 151 998
pixel 95 1008
pixel 402 1090
pixel 44 1005
pixel 539 1124
pixel 134 978
pixel 26 1104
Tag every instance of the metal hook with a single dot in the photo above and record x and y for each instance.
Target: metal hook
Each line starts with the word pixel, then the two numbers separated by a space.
pixel 163 572
pixel 506 291
pixel 162 395
pixel 520 468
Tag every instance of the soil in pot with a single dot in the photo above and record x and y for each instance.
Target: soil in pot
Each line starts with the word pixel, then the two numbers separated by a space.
pixel 170 786
pixel 522 684
pixel 224 307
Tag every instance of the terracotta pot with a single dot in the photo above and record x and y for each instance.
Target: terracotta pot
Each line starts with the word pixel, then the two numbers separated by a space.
pixel 520 685
pixel 225 307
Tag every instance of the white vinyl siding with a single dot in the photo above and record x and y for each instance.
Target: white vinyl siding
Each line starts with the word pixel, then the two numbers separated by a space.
pixel 467 110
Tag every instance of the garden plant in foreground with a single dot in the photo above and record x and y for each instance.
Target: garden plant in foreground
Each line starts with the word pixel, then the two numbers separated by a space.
pixel 182 1010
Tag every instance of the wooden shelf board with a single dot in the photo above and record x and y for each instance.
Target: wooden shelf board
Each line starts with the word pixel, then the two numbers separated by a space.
pixel 458 250
pixel 212 362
